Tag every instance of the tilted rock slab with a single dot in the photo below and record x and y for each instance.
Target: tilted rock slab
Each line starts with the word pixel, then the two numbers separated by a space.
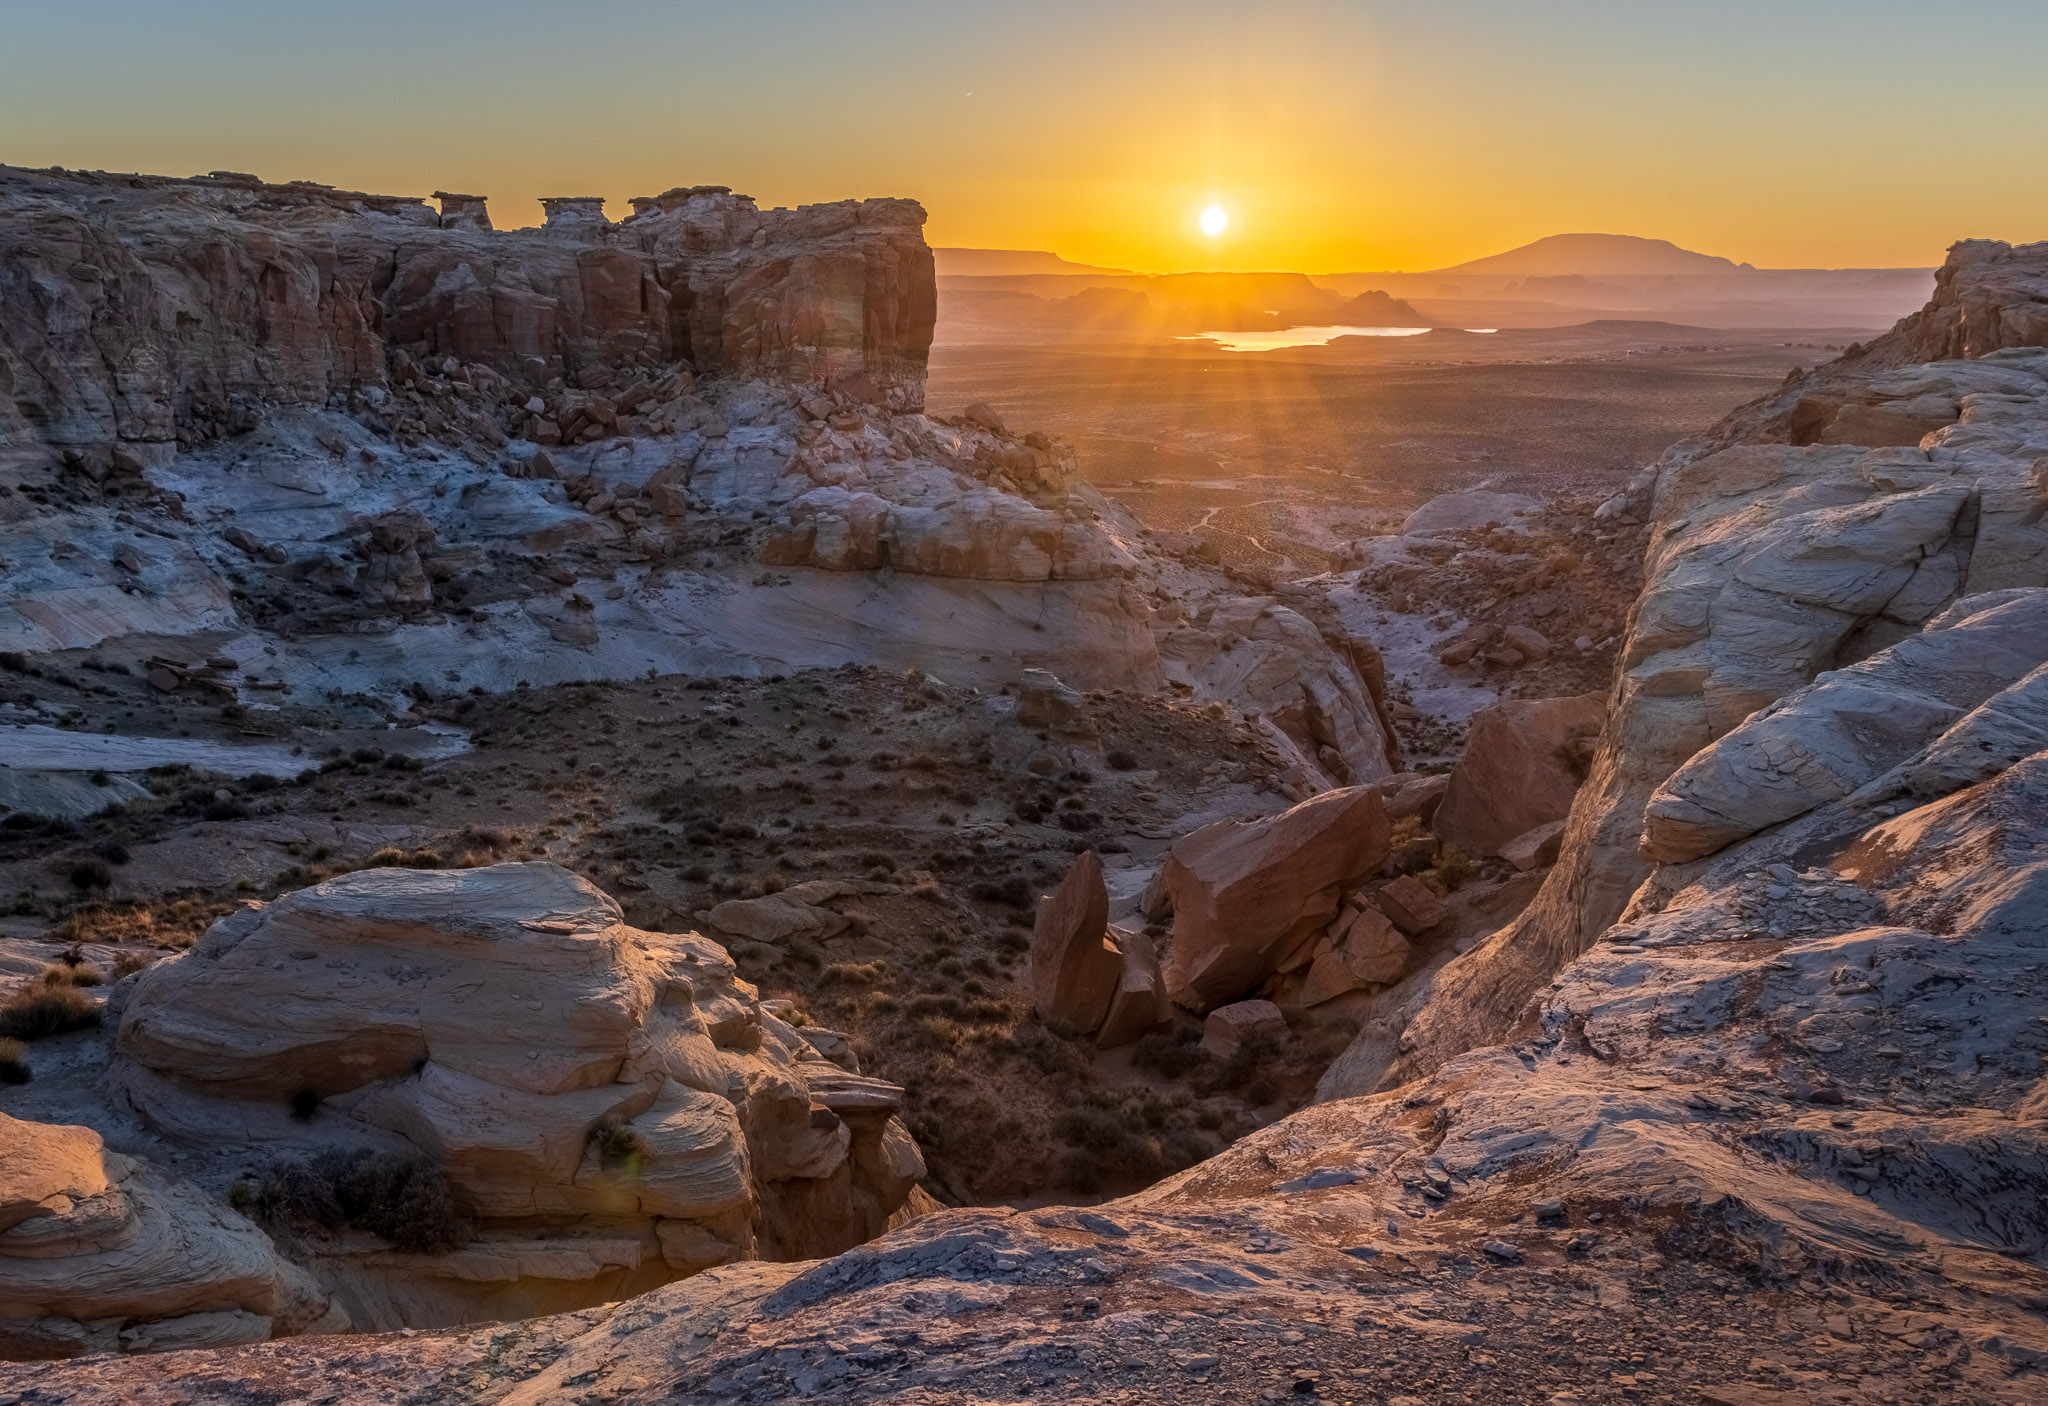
pixel 1522 764
pixel 1246 895
pixel 100 1253
pixel 1848 727
pixel 495 1020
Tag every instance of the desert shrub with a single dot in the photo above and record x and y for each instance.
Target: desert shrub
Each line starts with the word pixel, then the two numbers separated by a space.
pixel 13 1062
pixel 852 974
pixel 1452 868
pixel 88 875
pixel 391 857
pixel 113 851
pixel 404 1199
pixel 34 1014
pixel 1120 760
pixel 618 1144
pixel 71 974
pixel 1170 1053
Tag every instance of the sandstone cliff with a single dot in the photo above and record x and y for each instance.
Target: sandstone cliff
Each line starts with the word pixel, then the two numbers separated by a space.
pixel 147 311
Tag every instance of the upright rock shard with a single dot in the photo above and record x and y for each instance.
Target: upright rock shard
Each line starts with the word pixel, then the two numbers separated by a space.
pixel 1087 975
pixel 1074 966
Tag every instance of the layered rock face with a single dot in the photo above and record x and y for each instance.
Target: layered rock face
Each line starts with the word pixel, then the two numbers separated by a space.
pixel 100 1253
pixel 610 1106
pixel 148 310
pixel 1779 559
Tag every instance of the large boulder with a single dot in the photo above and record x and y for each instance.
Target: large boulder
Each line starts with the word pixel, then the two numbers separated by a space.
pixel 568 1073
pixel 1523 762
pixel 1247 895
pixel 99 1253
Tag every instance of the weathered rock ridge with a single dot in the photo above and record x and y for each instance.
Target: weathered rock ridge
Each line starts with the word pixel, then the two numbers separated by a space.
pixel 146 310
pixel 1862 565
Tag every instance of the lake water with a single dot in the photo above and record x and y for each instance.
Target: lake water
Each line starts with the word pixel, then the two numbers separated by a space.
pixel 1305 336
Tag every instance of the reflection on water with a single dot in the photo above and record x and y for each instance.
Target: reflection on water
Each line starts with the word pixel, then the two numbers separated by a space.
pixel 1305 336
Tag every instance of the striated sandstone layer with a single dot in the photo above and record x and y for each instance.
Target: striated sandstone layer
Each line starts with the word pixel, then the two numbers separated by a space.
pixel 100 1253
pixel 611 1107
pixel 146 310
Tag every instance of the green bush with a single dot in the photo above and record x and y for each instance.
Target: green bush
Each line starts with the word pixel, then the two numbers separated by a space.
pixel 13 1062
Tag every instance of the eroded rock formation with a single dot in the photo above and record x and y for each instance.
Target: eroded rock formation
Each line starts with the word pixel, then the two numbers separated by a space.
pixel 610 1099
pixel 100 1253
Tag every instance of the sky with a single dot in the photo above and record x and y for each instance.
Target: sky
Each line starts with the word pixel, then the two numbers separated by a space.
pixel 1336 135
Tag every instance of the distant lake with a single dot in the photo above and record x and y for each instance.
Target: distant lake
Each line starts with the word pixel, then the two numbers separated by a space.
pixel 1305 336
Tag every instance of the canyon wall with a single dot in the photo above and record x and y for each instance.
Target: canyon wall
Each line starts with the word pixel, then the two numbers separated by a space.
pixel 1807 532
pixel 150 310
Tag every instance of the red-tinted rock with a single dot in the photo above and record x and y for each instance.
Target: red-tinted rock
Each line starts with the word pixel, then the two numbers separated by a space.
pixel 1245 895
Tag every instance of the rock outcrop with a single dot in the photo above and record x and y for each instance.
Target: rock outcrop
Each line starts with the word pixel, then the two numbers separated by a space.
pixel 100 1253
pixel 1776 553
pixel 1522 764
pixel 611 1106
pixel 1249 897
pixel 247 292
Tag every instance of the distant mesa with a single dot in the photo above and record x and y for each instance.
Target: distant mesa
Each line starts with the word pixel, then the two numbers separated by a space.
pixel 1597 255
pixel 1008 263
pixel 1374 308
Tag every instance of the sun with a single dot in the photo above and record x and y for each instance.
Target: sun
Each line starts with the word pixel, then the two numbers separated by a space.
pixel 1215 220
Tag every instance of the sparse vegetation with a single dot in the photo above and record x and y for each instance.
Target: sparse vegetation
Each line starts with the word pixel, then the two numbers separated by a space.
pixel 13 1061
pixel 42 1011
pixel 404 1199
